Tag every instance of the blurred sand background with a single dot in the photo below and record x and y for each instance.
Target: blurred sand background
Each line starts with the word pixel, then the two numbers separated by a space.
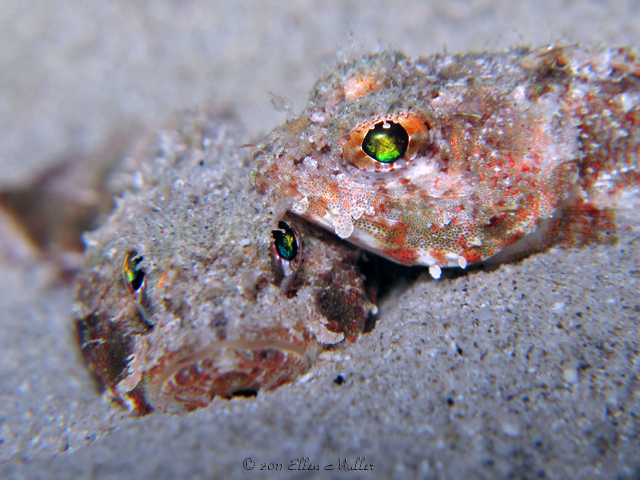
pixel 530 371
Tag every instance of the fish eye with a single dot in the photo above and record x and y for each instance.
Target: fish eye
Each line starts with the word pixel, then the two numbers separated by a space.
pixel 380 144
pixel 386 142
pixel 132 274
pixel 286 252
pixel 285 241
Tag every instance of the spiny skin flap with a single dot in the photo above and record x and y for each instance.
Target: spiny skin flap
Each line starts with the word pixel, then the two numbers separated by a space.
pixel 498 144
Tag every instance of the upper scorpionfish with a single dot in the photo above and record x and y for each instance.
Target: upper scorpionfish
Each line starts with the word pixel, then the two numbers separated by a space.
pixel 445 161
pixel 197 286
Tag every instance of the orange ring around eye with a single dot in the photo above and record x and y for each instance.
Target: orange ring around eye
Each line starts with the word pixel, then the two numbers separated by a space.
pixel 417 129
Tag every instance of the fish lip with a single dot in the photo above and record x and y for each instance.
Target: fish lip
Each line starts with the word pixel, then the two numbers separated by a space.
pixel 299 352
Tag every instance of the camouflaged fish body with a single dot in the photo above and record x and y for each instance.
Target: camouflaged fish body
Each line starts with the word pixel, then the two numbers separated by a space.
pixel 197 286
pixel 446 160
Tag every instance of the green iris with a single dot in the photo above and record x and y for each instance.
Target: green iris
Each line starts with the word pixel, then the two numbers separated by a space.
pixel 131 274
pixel 386 145
pixel 285 241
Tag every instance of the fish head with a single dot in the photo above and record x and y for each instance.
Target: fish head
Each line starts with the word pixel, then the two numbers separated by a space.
pixel 439 161
pixel 199 287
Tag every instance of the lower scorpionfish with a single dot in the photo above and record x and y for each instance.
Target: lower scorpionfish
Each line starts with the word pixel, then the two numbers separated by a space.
pixel 199 287
pixel 444 161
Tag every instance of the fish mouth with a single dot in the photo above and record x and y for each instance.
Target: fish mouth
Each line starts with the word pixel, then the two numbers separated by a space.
pixel 226 369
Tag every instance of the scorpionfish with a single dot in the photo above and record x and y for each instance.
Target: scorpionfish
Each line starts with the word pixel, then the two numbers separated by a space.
pixel 199 287
pixel 444 161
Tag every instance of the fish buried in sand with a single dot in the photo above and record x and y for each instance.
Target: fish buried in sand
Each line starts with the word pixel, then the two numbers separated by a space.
pixel 198 287
pixel 446 160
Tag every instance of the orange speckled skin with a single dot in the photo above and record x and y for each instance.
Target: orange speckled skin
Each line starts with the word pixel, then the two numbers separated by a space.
pixel 498 144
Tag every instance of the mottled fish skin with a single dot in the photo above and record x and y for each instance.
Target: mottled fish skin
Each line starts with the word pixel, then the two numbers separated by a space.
pixel 184 297
pixel 497 145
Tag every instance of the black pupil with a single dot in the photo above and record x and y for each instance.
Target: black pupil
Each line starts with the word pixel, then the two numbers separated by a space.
pixel 386 145
pixel 285 241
